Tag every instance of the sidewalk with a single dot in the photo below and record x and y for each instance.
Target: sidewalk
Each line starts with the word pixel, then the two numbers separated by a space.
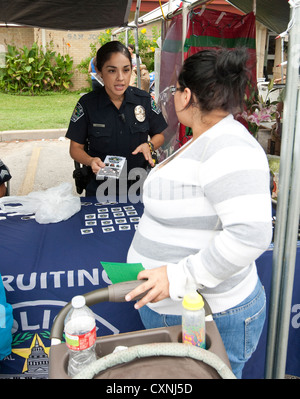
pixel 12 135
pixel 37 159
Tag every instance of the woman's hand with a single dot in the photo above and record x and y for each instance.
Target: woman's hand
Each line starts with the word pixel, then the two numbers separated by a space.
pixel 145 150
pixel 157 285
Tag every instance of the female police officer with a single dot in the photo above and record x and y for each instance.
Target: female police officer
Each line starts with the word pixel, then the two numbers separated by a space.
pixel 116 119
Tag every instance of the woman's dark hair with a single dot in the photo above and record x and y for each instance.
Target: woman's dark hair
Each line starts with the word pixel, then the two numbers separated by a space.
pixel 217 78
pixel 104 53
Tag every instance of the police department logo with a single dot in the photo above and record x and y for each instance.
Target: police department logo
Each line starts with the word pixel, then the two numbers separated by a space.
pixel 155 107
pixel 140 113
pixel 77 113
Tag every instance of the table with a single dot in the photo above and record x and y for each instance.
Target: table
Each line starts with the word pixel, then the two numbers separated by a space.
pixel 44 266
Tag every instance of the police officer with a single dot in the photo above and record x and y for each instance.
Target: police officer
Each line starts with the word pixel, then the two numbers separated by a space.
pixel 116 119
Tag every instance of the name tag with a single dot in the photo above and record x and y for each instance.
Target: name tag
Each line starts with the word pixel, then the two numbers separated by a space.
pixel 98 125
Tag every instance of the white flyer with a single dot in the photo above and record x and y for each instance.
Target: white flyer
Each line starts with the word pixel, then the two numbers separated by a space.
pixel 113 167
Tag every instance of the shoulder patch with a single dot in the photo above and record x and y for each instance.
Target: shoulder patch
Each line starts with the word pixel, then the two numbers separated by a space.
pixel 77 113
pixel 155 107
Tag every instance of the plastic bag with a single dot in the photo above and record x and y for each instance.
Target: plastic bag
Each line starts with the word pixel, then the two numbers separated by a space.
pixel 50 206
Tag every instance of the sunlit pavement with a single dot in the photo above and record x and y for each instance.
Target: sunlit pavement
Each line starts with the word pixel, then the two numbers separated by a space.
pixel 36 164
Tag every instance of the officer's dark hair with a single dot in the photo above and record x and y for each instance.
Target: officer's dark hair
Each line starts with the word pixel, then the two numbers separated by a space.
pixel 217 78
pixel 104 53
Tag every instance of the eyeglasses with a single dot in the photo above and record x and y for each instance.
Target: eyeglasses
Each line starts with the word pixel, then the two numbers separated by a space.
pixel 173 90
pixel 165 96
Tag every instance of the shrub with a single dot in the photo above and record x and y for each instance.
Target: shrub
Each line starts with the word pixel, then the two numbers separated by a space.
pixel 31 71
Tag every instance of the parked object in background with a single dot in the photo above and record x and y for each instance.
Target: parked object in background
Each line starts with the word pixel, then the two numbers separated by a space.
pixel 145 77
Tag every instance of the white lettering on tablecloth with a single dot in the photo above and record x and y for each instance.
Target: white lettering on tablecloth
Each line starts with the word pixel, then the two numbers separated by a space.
pixel 39 314
pixel 25 323
pixel 52 279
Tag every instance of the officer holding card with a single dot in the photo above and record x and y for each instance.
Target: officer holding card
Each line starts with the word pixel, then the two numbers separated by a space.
pixel 116 119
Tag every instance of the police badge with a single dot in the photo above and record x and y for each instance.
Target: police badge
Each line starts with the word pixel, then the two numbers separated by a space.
pixel 140 113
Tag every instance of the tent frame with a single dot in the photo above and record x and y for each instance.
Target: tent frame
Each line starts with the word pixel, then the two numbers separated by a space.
pixel 287 213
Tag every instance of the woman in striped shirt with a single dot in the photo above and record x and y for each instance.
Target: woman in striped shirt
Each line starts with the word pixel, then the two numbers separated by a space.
pixel 208 210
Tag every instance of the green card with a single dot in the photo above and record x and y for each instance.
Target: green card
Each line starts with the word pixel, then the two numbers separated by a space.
pixel 119 272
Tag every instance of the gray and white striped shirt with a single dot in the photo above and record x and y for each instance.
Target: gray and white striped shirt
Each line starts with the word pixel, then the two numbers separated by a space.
pixel 207 217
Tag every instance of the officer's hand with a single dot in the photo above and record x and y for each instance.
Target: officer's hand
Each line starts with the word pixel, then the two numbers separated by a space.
pixel 157 285
pixel 145 150
pixel 96 164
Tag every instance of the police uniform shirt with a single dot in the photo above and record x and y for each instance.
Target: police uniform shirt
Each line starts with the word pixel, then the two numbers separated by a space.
pixel 112 131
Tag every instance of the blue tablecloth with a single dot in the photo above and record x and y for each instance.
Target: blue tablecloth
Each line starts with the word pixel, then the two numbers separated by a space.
pixel 255 367
pixel 44 266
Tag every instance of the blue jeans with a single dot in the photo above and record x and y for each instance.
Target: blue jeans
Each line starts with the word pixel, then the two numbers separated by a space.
pixel 240 327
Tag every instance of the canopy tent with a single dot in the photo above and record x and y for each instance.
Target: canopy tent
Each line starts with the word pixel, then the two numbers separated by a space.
pixel 274 14
pixel 66 14
pixel 95 14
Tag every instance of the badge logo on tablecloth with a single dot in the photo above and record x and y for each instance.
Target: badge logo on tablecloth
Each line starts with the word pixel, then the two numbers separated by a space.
pixel 36 363
pixel 140 113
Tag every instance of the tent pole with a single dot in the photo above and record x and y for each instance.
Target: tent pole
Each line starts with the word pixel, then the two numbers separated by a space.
pixel 126 37
pixel 276 347
pixel 44 41
pixel 282 59
pixel 254 6
pixel 290 258
pixel 185 11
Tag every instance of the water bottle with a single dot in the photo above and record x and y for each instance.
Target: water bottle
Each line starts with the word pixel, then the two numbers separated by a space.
pixel 80 333
pixel 193 320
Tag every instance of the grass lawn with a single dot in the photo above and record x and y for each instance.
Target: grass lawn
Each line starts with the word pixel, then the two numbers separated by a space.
pixel 51 111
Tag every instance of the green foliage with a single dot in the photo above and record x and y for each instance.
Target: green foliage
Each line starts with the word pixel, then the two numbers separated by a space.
pixel 259 110
pixel 52 110
pixel 83 67
pixel 146 47
pixel 31 71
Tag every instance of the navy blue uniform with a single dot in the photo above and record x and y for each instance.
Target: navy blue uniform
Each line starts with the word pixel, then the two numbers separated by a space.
pixel 112 131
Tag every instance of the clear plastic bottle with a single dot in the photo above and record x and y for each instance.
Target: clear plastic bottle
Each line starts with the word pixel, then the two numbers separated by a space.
pixel 80 332
pixel 193 320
